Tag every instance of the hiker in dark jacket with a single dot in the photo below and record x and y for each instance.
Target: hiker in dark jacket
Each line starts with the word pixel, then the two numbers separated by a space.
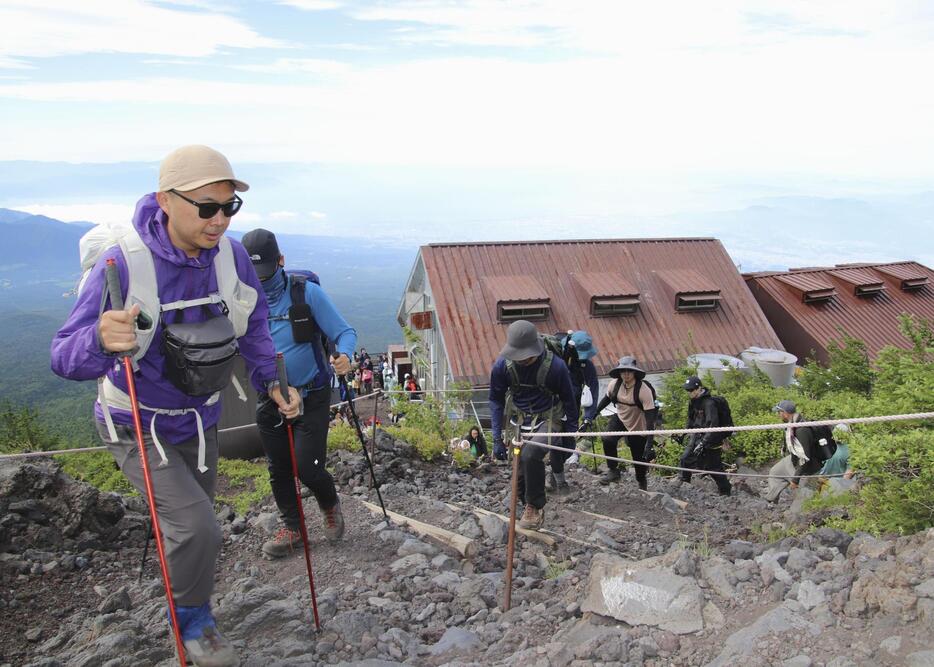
pixel 703 450
pixel 801 453
pixel 182 227
pixel 477 442
pixel 579 350
pixel 635 411
pixel 310 370
pixel 537 404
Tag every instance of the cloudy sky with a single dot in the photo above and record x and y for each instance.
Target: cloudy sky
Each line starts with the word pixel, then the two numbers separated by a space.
pixel 609 112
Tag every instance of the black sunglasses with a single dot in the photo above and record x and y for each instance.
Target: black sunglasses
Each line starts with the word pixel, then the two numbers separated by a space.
pixel 207 210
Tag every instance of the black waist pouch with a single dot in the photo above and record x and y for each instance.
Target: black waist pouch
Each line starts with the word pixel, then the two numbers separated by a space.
pixel 199 356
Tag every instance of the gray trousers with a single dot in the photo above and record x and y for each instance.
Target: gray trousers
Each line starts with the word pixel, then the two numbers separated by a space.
pixel 185 503
pixel 778 484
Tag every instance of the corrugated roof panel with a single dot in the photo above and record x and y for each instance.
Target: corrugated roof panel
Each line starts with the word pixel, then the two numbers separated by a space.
pixel 857 277
pixel 599 284
pixel 687 281
pixel 807 281
pixel 657 335
pixel 875 321
pixel 515 288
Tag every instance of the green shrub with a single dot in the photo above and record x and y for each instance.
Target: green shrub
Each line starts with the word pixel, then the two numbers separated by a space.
pixel 343 436
pixel 462 458
pixel 428 445
pixel 97 469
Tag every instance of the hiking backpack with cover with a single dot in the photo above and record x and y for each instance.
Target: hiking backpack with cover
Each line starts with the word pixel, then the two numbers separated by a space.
pixel 540 377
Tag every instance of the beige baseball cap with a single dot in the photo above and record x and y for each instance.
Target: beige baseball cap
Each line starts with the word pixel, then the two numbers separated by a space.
pixel 191 167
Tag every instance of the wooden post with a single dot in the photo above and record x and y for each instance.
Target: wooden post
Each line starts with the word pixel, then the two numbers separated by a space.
pixel 511 543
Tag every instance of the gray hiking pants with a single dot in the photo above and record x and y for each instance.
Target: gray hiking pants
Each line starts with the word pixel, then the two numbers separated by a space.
pixel 185 501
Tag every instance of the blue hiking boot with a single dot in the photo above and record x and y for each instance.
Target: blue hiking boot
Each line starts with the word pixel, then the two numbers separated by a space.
pixel 204 644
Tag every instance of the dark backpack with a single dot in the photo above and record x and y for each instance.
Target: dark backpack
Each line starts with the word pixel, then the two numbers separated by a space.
pixel 653 413
pixel 724 415
pixel 825 451
pixel 540 377
pixel 304 327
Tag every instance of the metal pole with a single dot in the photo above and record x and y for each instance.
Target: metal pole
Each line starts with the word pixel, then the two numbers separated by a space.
pixel 366 454
pixel 302 528
pixel 116 302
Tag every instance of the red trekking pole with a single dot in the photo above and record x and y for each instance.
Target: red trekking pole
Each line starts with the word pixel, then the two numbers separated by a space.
pixel 116 303
pixel 284 391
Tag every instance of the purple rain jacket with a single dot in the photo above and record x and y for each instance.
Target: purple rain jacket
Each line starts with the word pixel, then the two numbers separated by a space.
pixel 77 354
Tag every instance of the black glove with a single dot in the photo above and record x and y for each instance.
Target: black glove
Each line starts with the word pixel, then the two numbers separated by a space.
pixel 679 438
pixel 586 424
pixel 699 448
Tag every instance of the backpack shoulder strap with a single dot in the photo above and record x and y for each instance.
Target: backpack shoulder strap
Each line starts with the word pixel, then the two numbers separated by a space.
pixel 544 369
pixel 513 374
pixel 297 287
pixel 142 286
pixel 239 297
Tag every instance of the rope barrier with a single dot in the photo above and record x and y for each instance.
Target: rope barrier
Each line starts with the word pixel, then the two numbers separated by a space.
pixel 664 467
pixel 31 455
pixel 749 427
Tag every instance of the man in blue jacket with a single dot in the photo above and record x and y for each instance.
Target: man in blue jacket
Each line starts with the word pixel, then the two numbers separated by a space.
pixel 182 264
pixel 299 339
pixel 532 388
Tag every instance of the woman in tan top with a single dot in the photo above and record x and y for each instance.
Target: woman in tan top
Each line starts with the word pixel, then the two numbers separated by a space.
pixel 635 411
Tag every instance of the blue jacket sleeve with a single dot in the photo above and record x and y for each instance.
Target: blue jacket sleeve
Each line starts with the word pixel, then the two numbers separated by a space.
pixel 559 383
pixel 333 325
pixel 498 387
pixel 76 350
pixel 590 377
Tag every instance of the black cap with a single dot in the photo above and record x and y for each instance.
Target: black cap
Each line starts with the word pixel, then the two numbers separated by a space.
pixel 264 252
pixel 692 383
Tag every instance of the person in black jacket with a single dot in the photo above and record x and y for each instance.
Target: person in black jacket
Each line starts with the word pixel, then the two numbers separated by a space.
pixel 802 454
pixel 702 450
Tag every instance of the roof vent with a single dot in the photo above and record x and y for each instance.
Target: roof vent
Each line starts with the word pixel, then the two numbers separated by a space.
pixel 518 298
pixel 813 287
pixel 865 283
pixel 909 277
pixel 691 290
pixel 609 294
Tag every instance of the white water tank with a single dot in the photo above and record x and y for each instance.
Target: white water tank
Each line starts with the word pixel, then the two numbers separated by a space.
pixel 715 364
pixel 778 365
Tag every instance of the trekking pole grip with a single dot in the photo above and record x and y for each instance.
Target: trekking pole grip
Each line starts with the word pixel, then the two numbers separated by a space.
pixel 112 276
pixel 283 378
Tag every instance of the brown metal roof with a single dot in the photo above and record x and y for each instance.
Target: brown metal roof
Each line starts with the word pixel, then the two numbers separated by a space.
pixel 807 281
pixel 857 277
pixel 687 281
pixel 515 288
pixel 805 327
pixel 657 334
pixel 605 284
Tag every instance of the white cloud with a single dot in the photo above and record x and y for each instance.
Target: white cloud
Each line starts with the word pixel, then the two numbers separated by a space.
pixel 312 5
pixel 317 215
pixel 98 213
pixel 46 28
pixel 283 215
pixel 304 65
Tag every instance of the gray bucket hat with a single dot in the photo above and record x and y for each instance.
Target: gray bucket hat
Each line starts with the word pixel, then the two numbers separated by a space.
pixel 522 341
pixel 627 364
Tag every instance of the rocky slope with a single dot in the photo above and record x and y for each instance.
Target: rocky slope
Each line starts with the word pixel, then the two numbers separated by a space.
pixel 632 579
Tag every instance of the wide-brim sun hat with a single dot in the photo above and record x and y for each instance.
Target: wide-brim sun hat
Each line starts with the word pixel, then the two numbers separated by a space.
pixel 522 341
pixel 627 364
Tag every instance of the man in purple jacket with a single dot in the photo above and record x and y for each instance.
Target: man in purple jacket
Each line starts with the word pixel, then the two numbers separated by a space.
pixel 182 226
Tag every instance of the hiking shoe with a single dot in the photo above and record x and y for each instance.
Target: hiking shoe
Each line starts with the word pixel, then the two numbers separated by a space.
pixel 643 484
pixel 532 518
pixel 211 649
pixel 611 475
pixel 283 544
pixel 334 522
